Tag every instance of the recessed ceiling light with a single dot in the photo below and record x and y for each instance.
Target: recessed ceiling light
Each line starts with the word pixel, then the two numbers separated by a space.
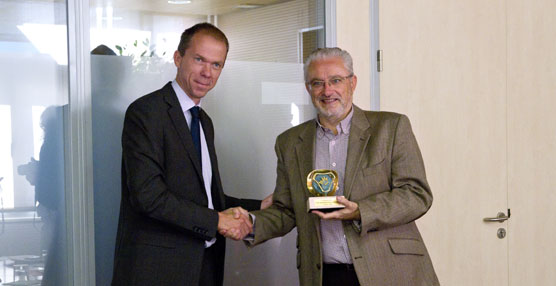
pixel 248 6
pixel 179 2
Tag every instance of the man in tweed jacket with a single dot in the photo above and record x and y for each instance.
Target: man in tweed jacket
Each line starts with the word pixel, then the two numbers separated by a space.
pixel 382 184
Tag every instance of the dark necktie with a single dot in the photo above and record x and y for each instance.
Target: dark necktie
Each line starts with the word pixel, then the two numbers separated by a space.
pixel 196 130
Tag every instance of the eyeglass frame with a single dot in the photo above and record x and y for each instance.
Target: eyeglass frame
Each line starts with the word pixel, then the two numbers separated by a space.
pixel 328 81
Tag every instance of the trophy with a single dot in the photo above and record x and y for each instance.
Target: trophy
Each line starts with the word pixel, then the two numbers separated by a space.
pixel 322 184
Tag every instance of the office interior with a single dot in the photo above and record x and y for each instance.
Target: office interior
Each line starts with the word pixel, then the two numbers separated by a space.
pixel 475 78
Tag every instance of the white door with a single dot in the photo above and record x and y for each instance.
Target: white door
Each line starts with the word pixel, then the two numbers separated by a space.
pixel 445 67
pixel 478 80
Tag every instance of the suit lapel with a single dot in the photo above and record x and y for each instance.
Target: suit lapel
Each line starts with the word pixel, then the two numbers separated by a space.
pixel 359 135
pixel 305 150
pixel 178 119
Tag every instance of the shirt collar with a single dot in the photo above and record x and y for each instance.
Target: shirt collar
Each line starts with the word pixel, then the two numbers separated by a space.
pixel 185 101
pixel 342 128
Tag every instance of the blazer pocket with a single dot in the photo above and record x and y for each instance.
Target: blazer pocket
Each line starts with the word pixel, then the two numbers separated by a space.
pixel 407 246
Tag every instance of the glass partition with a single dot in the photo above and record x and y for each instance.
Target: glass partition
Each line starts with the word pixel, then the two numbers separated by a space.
pixel 33 101
pixel 115 82
pixel 252 104
pixel 259 95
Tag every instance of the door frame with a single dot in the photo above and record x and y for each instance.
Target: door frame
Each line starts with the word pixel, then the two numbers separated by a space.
pixel 78 155
pixel 373 52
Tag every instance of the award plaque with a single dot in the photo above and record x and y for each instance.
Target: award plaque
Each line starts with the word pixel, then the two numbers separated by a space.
pixel 322 184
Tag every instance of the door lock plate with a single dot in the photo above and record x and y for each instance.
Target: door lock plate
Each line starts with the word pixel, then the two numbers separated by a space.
pixel 501 233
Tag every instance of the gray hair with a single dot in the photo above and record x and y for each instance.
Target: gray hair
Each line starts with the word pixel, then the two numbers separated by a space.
pixel 325 53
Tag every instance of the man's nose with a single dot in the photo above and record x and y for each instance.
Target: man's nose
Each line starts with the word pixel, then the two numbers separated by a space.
pixel 328 90
pixel 205 70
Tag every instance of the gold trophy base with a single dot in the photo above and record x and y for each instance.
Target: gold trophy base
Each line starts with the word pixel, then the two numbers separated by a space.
pixel 323 204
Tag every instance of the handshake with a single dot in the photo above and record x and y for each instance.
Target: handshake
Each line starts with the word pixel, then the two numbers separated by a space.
pixel 234 223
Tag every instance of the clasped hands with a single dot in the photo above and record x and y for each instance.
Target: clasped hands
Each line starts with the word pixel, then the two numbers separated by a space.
pixel 234 223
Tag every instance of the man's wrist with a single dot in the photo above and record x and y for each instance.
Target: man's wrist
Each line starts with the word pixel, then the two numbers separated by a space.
pixel 251 236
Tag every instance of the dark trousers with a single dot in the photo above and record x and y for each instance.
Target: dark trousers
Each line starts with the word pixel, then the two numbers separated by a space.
pixel 339 274
pixel 212 271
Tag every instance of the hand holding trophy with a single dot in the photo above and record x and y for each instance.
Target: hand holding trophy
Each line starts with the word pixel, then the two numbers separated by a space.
pixel 322 184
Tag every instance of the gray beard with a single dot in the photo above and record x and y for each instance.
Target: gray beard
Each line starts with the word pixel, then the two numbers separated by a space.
pixel 329 115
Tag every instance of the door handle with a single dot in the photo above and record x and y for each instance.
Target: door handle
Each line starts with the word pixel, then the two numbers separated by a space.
pixel 501 217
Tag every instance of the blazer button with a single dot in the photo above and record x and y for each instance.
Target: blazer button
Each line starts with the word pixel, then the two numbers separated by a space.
pixel 318 266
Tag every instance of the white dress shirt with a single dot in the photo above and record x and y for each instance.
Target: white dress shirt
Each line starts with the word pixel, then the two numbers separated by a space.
pixel 187 103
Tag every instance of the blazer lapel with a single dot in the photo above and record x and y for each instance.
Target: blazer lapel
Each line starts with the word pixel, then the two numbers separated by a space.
pixel 305 150
pixel 359 135
pixel 176 114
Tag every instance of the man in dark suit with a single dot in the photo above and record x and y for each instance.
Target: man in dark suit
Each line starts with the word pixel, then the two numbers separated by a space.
pixel 172 214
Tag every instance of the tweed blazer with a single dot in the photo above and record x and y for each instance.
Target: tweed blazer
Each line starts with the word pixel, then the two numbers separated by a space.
pixel 384 174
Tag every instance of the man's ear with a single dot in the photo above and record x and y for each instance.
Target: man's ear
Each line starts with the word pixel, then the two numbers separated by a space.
pixel 353 83
pixel 177 58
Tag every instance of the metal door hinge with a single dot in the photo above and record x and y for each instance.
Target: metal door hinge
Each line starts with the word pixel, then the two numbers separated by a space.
pixel 379 60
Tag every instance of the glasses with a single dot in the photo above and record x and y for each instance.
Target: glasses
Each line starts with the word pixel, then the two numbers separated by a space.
pixel 334 82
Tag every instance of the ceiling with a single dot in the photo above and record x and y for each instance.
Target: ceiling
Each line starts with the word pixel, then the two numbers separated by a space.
pixel 196 7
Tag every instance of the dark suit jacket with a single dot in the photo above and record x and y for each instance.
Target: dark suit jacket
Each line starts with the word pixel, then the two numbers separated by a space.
pixel 164 218
pixel 385 175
